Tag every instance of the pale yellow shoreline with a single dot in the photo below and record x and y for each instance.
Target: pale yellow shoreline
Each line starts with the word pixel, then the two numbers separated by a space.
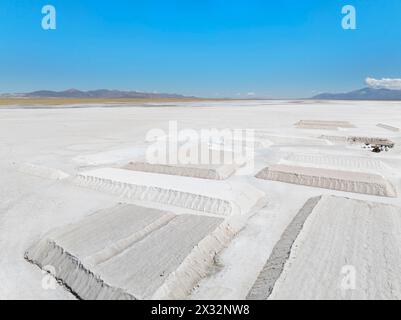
pixel 67 101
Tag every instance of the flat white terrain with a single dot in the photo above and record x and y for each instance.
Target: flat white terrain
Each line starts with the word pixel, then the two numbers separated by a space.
pixel 43 149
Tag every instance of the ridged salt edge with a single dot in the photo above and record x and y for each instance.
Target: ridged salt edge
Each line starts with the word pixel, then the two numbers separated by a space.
pixel 220 173
pixel 369 140
pixel 387 127
pixel 123 244
pixel 72 274
pixel 338 123
pixel 336 161
pixel 376 189
pixel 357 140
pixel 334 125
pixel 316 127
pixel 274 266
pixel 159 195
pixel 197 264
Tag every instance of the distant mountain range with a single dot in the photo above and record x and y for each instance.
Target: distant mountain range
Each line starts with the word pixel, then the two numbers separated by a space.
pixel 362 94
pixel 367 93
pixel 99 94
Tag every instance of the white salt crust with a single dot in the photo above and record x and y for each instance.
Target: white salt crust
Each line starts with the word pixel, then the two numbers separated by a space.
pixel 358 140
pixel 322 124
pixel 347 249
pixel 349 181
pixel 387 127
pixel 336 161
pixel 212 172
pixel 217 197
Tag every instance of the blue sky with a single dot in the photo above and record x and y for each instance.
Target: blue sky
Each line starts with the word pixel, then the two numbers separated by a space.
pixel 215 48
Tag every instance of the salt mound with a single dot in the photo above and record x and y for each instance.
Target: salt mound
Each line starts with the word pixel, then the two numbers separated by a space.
pixel 219 165
pixel 213 172
pixel 347 249
pixel 43 172
pixel 348 181
pixel 359 140
pixel 218 197
pixel 131 252
pixel 321 124
pixel 387 127
pixel 336 161
pixel 370 140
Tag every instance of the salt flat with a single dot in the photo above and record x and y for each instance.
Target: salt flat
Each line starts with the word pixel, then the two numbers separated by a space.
pixel 42 151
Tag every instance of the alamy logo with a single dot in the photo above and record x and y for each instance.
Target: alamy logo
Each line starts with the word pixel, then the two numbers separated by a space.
pixel 348 281
pixel 349 20
pixel 201 147
pixel 49 20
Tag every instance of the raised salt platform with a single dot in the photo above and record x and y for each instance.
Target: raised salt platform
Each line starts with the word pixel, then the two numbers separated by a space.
pixel 370 140
pixel 217 165
pixel 359 140
pixel 213 172
pixel 335 161
pixel 348 181
pixel 387 127
pixel 322 124
pixel 132 252
pixel 346 249
pixel 217 197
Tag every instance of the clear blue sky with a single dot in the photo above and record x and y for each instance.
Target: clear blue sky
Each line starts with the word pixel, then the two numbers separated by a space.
pixel 287 48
